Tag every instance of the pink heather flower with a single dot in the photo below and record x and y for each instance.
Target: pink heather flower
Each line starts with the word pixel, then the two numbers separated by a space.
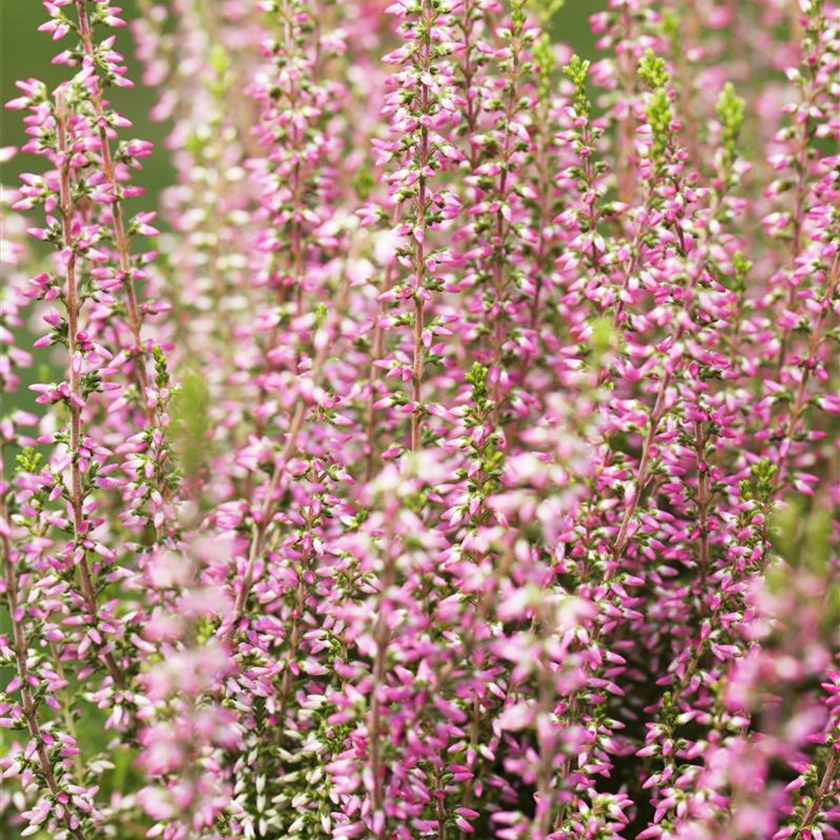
pixel 452 450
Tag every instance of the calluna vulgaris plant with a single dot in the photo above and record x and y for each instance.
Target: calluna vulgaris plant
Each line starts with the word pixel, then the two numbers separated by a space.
pixel 462 459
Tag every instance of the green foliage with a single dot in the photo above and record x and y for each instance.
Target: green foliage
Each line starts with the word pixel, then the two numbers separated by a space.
pixel 219 61
pixel 671 29
pixel 658 111
pixel 802 537
pixel 730 110
pixel 320 313
pixel 742 267
pixel 28 460
pixel 603 339
pixel 576 72
pixel 544 60
pixel 547 9
pixel 659 118
pixel 477 377
pixel 161 372
pixel 91 383
pixel 518 16
pixel 652 71
pixel 364 182
pixel 190 414
pixel 222 77
pixel 485 453
pixel 761 483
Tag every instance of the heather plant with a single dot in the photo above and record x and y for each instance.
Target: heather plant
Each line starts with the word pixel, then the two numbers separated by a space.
pixel 456 455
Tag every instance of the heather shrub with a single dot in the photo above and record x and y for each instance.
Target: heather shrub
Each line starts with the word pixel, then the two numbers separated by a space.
pixel 453 453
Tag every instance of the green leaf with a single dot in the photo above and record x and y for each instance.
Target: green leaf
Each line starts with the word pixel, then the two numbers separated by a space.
pixel 189 410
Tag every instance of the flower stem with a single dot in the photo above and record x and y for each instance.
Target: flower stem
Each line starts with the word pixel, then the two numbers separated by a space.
pixel 76 494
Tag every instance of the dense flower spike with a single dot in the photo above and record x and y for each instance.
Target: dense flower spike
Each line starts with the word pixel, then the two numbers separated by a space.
pixel 463 460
